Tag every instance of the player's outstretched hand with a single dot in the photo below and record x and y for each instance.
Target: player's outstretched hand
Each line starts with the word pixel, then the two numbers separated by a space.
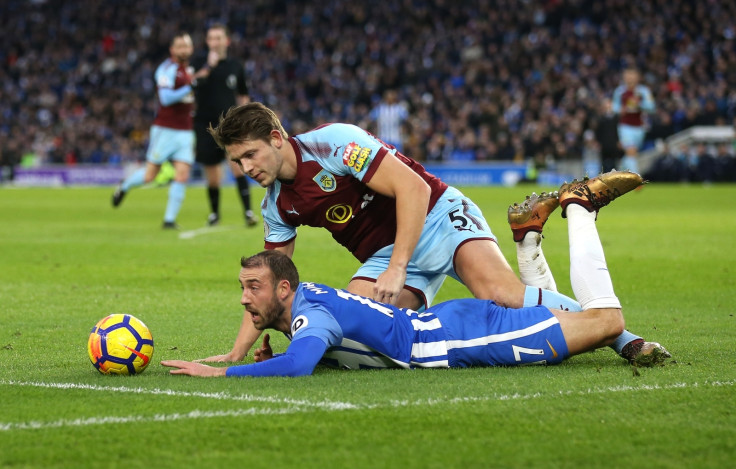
pixel 182 367
pixel 389 284
pixel 264 352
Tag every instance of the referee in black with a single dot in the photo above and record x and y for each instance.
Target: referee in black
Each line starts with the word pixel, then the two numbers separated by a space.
pixel 223 88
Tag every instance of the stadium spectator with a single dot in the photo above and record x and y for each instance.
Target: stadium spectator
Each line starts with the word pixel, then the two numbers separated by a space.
pixel 389 117
pixel 172 137
pixel 702 164
pixel 348 331
pixel 668 167
pixel 225 86
pixel 725 164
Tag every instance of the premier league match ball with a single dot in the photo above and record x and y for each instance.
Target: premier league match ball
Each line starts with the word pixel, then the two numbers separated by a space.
pixel 120 344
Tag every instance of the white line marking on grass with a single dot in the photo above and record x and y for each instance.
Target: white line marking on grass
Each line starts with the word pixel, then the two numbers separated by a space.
pixel 294 405
pixel 328 405
pixel 194 414
pixel 205 230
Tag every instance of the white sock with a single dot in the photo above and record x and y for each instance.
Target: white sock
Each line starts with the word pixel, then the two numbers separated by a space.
pixel 533 268
pixel 591 281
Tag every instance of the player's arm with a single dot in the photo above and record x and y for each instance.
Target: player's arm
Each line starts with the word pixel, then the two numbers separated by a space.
pixel 396 180
pixel 300 359
pixel 247 336
pixel 169 96
pixel 647 100
pixel 287 248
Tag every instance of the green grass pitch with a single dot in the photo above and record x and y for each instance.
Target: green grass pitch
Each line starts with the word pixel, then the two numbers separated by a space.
pixel 67 259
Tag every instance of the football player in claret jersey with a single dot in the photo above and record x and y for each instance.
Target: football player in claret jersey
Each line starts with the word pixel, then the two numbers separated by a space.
pixel 408 228
pixel 171 137
pixel 339 328
pixel 630 101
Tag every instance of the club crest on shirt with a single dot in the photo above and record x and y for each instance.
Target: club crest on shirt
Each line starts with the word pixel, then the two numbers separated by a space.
pixel 356 157
pixel 325 180
pixel 298 323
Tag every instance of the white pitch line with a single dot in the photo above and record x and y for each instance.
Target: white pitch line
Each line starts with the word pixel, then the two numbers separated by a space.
pixel 329 405
pixel 205 230
pixel 296 406
pixel 194 414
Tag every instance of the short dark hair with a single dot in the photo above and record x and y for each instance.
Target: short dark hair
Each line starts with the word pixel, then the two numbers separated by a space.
pixel 252 121
pixel 177 36
pixel 280 265
pixel 221 26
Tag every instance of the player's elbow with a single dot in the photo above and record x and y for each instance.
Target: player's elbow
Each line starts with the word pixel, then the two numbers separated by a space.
pixel 420 189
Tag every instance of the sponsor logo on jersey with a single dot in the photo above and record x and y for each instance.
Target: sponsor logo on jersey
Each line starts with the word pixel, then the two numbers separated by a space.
pixel 325 180
pixel 340 213
pixel 299 322
pixel 356 157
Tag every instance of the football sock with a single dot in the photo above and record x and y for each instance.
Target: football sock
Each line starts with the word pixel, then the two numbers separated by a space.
pixel 214 195
pixel 244 192
pixel 534 296
pixel 134 180
pixel 177 190
pixel 533 267
pixel 623 340
pixel 629 162
pixel 589 276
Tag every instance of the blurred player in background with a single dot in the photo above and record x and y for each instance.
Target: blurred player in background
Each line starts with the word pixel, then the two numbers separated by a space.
pixel 340 329
pixel 408 228
pixel 390 115
pixel 630 101
pixel 171 137
pixel 221 89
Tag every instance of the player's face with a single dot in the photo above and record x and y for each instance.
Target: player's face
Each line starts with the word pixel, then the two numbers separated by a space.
pixel 631 78
pixel 217 41
pixel 259 297
pixel 181 49
pixel 258 159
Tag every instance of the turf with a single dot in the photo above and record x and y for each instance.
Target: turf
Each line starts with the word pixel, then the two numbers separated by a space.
pixel 67 259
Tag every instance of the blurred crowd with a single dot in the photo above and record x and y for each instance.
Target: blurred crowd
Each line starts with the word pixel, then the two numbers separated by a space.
pixel 481 80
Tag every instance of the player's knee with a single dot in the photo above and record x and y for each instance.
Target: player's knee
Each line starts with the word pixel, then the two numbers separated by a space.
pixel 613 323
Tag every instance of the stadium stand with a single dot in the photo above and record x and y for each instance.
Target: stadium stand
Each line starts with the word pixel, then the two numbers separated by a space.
pixel 504 80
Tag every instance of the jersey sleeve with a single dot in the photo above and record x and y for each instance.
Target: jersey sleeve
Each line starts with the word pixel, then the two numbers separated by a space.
pixel 277 232
pixel 299 360
pixel 165 77
pixel 316 321
pixel 357 153
pixel 647 100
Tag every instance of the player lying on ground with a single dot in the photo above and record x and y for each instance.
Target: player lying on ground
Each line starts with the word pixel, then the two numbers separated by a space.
pixel 408 228
pixel 346 330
